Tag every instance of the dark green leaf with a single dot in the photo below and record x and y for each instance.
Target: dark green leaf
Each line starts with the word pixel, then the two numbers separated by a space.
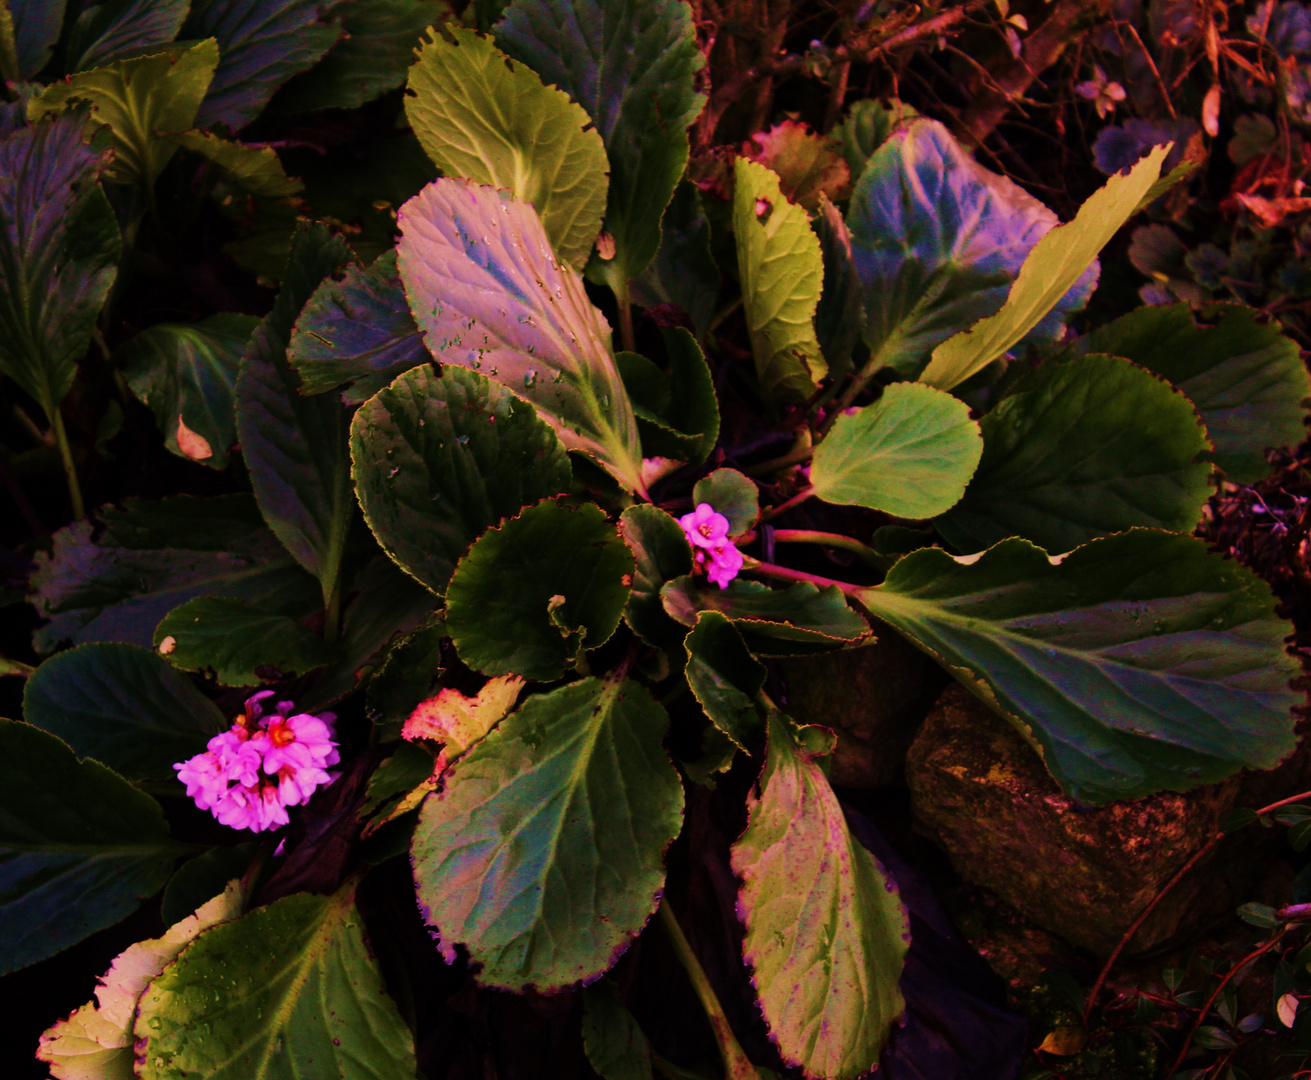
pixel 1081 450
pixel 538 589
pixel 1299 836
pixel 80 847
pixel 409 766
pixel 254 169
pixel 288 991
pixel 116 29
pixel 683 272
pixel 438 461
pixel 233 639
pixel 826 934
pixel 1246 378
pixel 1210 1037
pixel 186 373
pixel 682 426
pixel 840 315
pixel 297 448
pixel 405 676
pixel 489 295
pixel 1238 818
pixel 731 494
pixel 123 706
pixel 725 678
pixel 794 621
pixel 150 558
pixel 490 121
pixel 1138 663
pixel 1259 915
pixel 203 878
pixel 262 44
pixel 543 852
pixel 36 26
pixel 59 244
pixel 867 126
pixel 632 65
pixel 615 1045
pixel 662 553
pixel 356 333
pixel 909 454
pixel 937 240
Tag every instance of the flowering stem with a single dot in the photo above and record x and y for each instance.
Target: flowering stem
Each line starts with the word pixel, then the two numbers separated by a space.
pixel 786 573
pixel 626 334
pixel 833 540
pixel 736 1062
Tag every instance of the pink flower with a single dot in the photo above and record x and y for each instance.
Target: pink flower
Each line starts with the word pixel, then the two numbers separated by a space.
pixel 712 550
pixel 704 527
pixel 724 564
pixel 251 773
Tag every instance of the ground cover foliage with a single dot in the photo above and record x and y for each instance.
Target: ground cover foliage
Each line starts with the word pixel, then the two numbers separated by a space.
pixel 484 402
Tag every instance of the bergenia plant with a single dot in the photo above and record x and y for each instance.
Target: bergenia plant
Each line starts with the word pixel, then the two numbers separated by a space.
pixel 513 505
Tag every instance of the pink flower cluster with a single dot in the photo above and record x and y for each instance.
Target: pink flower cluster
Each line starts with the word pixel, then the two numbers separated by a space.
pixel 251 773
pixel 712 550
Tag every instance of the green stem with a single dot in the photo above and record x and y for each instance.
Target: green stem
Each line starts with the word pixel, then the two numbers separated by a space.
pixel 833 540
pixel 783 507
pixel 862 380
pixel 786 573
pixel 332 610
pixel 793 457
pixel 626 334
pixel 70 468
pixel 736 1062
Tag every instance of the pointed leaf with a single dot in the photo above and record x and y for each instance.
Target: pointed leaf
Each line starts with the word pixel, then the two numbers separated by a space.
pixel 615 1045
pixel 356 333
pixel 488 295
pixel 1080 450
pixel 256 169
pixel 80 847
pixel 1056 264
pixel 140 99
pixel 486 119
pixel 525 601
pixel 782 271
pixel 910 454
pixel 632 65
pixel 186 374
pixel 233 639
pixel 1246 378
pixel 684 272
pixel 543 853
pixel 438 461
pixel 725 678
pixel 937 240
pixel 662 553
pixel 1137 663
pixel 116 29
pixel 731 494
pixel 36 26
pixel 59 244
pixel 96 1042
pixel 262 43
pixel 287 991
pixel 826 933
pixel 123 706
pixel 297 448
pixel 150 558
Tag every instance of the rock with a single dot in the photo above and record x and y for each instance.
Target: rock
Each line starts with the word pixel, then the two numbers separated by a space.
pixel 983 793
pixel 874 697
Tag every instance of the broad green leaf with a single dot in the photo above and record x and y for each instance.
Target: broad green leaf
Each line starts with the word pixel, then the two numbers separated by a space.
pixel 405 676
pixel 800 619
pixel 151 557
pixel 937 240
pixel 199 880
pixel 373 55
pixel 186 374
pixel 809 166
pixel 684 272
pixel 1245 377
pixel 910 454
pixel 483 118
pixel 123 706
pixel 234 639
pixel 439 460
pixel 36 25
pixel 615 1046
pixel 840 315
pixel 1137 663
pixel 262 44
pixel 782 271
pixel 297 448
pixel 868 125
pixel 725 678
pixel 632 65
pixel 826 934
pixel 1055 265
pixel 537 590
pixel 59 244
pixel 140 99
pixel 682 426
pixel 95 1042
pixel 662 553
pixel 489 295
pixel 731 494
pixel 356 333
pixel 116 29
pixel 256 169
pixel 80 847
pixel 287 991
pixel 1080 450
pixel 543 852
